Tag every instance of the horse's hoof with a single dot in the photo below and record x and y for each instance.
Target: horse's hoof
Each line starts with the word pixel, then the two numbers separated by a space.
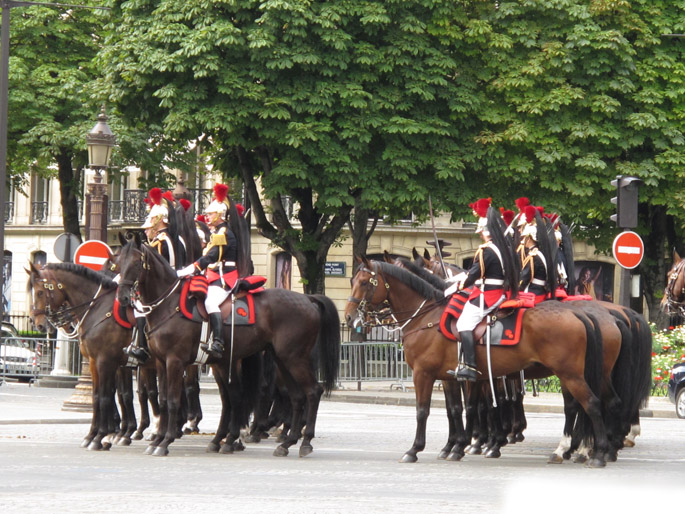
pixel 443 455
pixel 160 451
pixel 520 437
pixel 408 458
pixel 213 447
pixel 612 456
pixel 492 453
pixel 579 458
pixel 566 455
pixel 305 450
pixel 281 451
pixel 150 437
pixel 555 459
pixel 116 439
pixel 252 438
pixel 124 441
pixel 628 443
pixel 455 456
pixel 187 431
pixel 595 463
pixel 85 443
pixel 150 450
pixel 238 446
pixel 511 439
pixel 226 449
pixel 474 450
pixel 94 446
pixel 137 436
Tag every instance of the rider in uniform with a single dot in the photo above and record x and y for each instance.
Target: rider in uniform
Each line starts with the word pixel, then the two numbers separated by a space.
pixel 487 273
pixel 162 235
pixel 534 267
pixel 218 262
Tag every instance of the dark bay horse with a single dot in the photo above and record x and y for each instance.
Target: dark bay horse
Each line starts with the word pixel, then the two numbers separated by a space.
pixel 288 323
pixel 75 296
pixel 561 340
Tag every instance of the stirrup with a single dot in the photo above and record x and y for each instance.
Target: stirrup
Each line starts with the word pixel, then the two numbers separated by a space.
pixel 140 354
pixel 216 349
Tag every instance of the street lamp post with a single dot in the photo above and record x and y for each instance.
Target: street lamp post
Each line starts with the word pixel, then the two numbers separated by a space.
pixel 100 142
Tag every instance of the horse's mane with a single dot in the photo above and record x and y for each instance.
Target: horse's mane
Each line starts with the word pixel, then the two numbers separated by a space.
pixel 82 271
pixel 423 273
pixel 411 280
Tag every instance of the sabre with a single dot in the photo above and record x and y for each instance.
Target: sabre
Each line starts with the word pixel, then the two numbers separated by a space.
pixel 230 359
pixel 435 237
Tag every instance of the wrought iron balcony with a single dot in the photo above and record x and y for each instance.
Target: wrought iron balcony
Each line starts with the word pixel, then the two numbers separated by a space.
pixel 39 213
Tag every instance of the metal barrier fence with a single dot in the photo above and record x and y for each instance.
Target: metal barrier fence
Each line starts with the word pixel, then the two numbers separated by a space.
pixel 28 358
pixel 376 355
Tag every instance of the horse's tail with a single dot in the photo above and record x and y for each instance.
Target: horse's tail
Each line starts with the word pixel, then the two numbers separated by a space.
pixel 624 373
pixel 594 362
pixel 643 372
pixel 328 341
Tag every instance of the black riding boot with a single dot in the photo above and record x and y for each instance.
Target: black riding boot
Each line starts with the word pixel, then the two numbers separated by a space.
pixel 467 370
pixel 140 351
pixel 216 349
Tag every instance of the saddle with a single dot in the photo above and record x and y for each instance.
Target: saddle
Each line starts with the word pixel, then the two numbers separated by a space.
pixel 243 292
pixel 123 315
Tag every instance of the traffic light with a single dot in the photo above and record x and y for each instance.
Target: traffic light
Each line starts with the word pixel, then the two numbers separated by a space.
pixel 626 201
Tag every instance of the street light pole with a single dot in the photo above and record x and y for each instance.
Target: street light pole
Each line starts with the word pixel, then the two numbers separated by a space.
pixel 100 142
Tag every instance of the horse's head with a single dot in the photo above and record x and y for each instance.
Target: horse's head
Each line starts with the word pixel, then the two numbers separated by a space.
pixel 46 296
pixel 674 294
pixel 365 292
pixel 131 264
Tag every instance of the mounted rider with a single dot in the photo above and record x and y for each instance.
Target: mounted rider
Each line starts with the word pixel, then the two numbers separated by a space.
pixel 538 266
pixel 219 264
pixel 494 275
pixel 162 234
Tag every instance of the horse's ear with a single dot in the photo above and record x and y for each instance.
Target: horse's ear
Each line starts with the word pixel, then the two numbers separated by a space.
pixel 366 261
pixel 122 239
pixel 426 254
pixel 386 257
pixel 136 238
pixel 414 253
pixel 33 269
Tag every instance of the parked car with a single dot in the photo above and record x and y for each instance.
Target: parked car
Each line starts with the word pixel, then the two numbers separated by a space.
pixel 17 358
pixel 676 388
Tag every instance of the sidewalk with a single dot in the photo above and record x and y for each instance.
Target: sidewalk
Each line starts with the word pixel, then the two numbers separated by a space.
pixel 24 404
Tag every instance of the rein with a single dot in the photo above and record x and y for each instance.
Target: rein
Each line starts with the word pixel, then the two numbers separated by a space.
pixel 62 317
pixel 135 286
pixel 364 313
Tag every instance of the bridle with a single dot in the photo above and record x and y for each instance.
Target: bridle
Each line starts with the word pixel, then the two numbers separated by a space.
pixel 134 286
pixel 378 309
pixel 673 305
pixel 64 315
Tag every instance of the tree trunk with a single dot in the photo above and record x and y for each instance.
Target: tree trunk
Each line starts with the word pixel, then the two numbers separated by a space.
pixel 653 267
pixel 68 184
pixel 361 232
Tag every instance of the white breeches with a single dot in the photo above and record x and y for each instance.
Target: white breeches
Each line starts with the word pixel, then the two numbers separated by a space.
pixel 137 308
pixel 471 315
pixel 215 297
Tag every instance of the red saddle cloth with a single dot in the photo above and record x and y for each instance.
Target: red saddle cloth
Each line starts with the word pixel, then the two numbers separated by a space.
pixel 193 308
pixel 585 297
pixel 122 314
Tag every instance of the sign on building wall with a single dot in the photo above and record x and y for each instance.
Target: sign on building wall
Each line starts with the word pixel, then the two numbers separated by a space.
pixel 334 269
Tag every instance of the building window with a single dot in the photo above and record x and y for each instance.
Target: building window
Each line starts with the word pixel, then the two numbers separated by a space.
pixel 40 191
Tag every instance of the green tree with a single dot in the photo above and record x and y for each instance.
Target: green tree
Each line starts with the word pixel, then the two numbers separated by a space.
pixel 579 93
pixel 328 103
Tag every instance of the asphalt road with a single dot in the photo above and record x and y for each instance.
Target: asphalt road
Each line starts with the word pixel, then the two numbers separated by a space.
pixel 354 468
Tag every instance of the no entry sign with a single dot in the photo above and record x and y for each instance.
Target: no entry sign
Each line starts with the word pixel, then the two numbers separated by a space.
pixel 92 254
pixel 628 249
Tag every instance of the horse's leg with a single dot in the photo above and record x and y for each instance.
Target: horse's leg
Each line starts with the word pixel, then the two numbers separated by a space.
pixel 96 406
pixel 423 391
pixel 297 404
pixel 498 419
pixel 580 390
pixel 142 394
pixel 222 383
pixel 456 442
pixel 162 385
pixel 519 422
pixel 236 417
pixel 152 387
pixel 634 430
pixel 471 428
pixel 174 387
pixel 106 406
pixel 126 398
pixel 313 391
pixel 566 445
pixel 192 385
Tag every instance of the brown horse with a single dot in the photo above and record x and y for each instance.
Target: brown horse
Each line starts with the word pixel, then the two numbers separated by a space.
pixel 75 296
pixel 626 343
pixel 288 323
pixel 561 340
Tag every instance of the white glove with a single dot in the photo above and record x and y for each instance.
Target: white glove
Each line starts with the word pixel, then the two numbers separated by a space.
pixel 187 271
pixel 457 282
pixel 459 277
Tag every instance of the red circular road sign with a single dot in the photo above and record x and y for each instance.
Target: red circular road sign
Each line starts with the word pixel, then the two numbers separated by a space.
pixel 92 254
pixel 628 249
